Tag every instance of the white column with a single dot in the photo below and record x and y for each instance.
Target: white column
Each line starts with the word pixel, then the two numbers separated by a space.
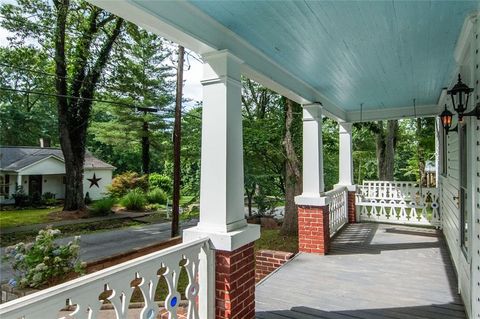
pixel 222 211
pixel 345 156
pixel 313 181
pixel 19 180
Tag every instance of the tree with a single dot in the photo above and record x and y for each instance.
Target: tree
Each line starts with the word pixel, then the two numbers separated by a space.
pixel 80 43
pixel 140 80
pixel 74 97
pixel 177 144
pixel 386 138
pixel 34 113
pixel 293 170
pixel 263 121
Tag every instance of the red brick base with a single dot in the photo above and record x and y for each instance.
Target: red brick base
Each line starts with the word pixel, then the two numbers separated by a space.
pixel 352 210
pixel 235 283
pixel 268 261
pixel 313 229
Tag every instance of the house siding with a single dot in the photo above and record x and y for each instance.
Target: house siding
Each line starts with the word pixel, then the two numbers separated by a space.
pixel 466 264
pixel 475 172
pixel 94 191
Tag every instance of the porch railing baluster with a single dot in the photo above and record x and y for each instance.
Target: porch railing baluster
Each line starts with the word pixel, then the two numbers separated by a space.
pixel 397 202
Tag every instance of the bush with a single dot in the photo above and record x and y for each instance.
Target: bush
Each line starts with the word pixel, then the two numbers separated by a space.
pixel 126 182
pixel 49 198
pixel 43 261
pixel 157 196
pixel 163 182
pixel 134 200
pixel 21 199
pixel 102 207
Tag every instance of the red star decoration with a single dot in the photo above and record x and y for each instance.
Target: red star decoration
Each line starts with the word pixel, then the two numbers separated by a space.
pixel 94 181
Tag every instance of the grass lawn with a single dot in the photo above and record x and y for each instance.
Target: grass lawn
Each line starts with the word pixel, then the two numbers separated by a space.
pixel 272 240
pixel 14 218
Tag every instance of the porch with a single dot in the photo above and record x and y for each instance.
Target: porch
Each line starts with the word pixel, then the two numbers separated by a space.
pixel 372 271
pixel 341 71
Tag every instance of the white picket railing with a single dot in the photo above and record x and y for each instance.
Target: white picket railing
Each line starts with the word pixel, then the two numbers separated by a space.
pixel 116 284
pixel 398 202
pixel 338 208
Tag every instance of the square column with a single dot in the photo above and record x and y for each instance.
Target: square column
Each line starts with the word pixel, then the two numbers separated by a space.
pixel 230 282
pixel 345 172
pixel 19 181
pixel 313 210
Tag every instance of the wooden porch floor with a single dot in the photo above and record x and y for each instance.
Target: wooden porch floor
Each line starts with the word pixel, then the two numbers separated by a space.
pixel 373 271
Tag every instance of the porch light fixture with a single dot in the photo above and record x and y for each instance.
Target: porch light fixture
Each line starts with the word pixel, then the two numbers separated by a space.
pixel 460 94
pixel 446 117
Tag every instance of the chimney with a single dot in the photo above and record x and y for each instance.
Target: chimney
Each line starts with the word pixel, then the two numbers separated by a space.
pixel 44 142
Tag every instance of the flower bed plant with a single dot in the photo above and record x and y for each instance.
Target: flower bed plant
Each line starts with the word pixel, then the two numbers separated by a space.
pixel 43 262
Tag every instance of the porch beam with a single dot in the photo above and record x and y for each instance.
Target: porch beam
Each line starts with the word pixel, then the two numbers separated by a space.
pixel 378 114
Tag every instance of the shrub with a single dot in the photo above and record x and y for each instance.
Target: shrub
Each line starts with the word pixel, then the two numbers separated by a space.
pixel 102 207
pixel 43 261
pixel 49 198
pixel 163 182
pixel 126 182
pixel 21 199
pixel 134 200
pixel 157 196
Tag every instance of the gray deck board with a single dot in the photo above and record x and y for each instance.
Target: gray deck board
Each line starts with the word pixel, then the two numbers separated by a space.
pixel 373 271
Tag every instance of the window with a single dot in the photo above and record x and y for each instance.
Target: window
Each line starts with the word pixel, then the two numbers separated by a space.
pixel 4 185
pixel 463 192
pixel 444 153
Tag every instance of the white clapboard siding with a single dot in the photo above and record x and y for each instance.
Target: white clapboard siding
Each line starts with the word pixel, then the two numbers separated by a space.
pixel 449 206
pixel 475 51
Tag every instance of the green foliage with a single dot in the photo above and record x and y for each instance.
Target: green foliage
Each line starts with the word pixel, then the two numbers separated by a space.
pixel 20 197
pixel 193 212
pixel 48 199
pixel 134 200
pixel 157 196
pixel 330 152
pixel 102 207
pixel 43 261
pixel 126 182
pixel 163 182
pixel 271 239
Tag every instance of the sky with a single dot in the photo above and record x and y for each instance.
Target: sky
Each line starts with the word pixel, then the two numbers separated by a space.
pixel 192 71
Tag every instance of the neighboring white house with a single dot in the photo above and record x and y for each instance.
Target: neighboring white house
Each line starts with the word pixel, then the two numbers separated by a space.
pixel 42 170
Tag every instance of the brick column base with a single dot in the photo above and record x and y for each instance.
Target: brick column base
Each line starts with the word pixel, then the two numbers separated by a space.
pixel 235 283
pixel 352 209
pixel 313 229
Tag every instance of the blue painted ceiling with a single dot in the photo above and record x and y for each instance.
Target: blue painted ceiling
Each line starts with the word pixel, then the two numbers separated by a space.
pixel 380 53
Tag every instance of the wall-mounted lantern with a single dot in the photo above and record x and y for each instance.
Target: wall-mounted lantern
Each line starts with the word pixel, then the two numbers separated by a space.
pixel 446 117
pixel 460 94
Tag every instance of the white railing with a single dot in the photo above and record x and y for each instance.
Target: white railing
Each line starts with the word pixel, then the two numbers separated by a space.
pixel 398 202
pixel 338 209
pixel 83 298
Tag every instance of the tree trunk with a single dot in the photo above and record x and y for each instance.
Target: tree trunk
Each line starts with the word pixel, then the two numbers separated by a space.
pixel 386 142
pixel 420 154
pixel 177 145
pixel 74 105
pixel 293 176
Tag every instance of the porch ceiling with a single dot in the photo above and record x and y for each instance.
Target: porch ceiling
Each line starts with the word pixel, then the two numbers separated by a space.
pixel 341 53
